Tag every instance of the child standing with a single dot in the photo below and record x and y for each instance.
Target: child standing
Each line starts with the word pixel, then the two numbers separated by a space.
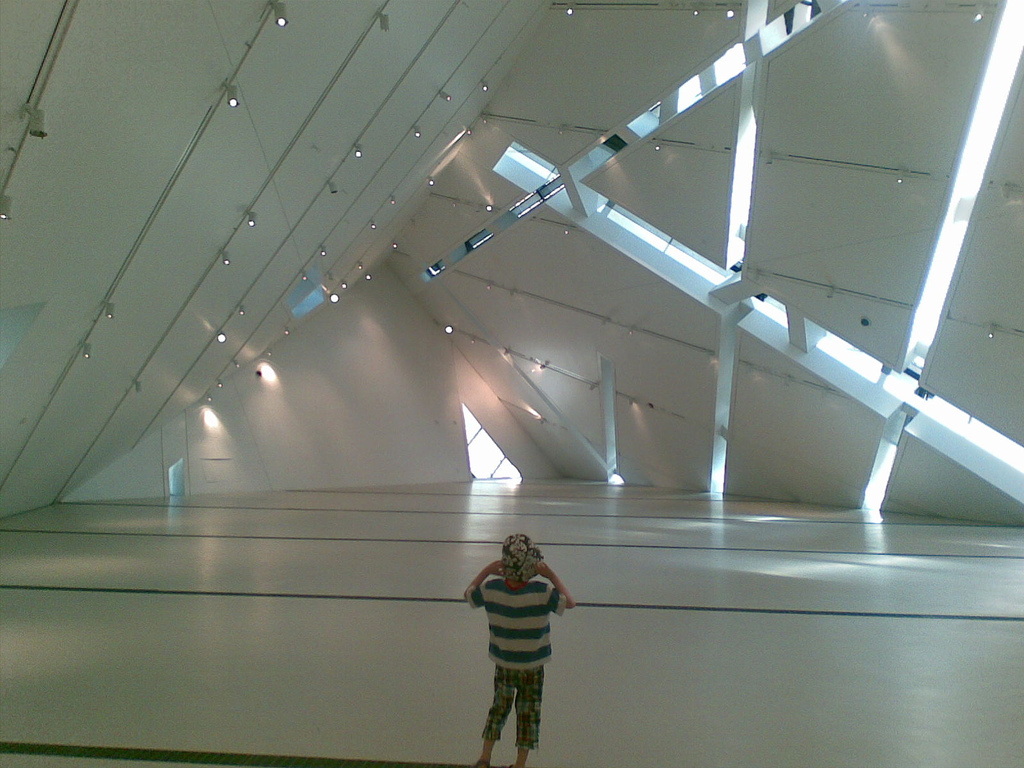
pixel 517 612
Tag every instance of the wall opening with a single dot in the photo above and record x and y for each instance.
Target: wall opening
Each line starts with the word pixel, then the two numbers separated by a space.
pixel 486 459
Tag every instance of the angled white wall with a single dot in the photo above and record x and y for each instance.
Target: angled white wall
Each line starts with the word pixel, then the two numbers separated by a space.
pixel 365 393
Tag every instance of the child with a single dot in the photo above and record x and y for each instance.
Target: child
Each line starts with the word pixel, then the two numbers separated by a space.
pixel 517 611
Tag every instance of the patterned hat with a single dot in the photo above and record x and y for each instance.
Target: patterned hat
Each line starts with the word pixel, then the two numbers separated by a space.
pixel 520 557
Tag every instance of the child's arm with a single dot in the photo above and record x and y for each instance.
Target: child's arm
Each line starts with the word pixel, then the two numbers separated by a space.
pixel 545 570
pixel 491 569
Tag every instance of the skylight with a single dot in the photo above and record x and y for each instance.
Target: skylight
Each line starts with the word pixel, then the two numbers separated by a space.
pixel 308 292
pixel 731 64
pixel 531 161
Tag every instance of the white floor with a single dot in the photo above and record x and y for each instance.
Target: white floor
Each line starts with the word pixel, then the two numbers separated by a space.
pixel 710 634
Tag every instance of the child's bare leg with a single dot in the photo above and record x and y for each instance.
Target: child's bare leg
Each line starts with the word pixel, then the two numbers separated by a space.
pixel 521 758
pixel 485 755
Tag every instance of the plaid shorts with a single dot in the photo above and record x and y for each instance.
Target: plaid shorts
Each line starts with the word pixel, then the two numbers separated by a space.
pixel 524 687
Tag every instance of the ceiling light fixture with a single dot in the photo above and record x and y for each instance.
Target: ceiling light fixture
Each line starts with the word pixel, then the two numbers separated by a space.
pixel 241 309
pixel 335 298
pixel 250 218
pixel 730 14
pixel 323 251
pixel 222 337
pixel 280 17
pixel 384 21
pixel 369 276
pixel 484 86
pixel 225 260
pixel 5 207
pixel 36 122
pixel 570 10
pixel 446 96
pixel 373 224
pixel 108 310
pixel 358 151
pixel 449 329
pixel 430 181
pixel 416 131
pixel 392 200
pixel 489 207
pixel 331 187
pixel 87 350
pixel 231 93
pixel 343 285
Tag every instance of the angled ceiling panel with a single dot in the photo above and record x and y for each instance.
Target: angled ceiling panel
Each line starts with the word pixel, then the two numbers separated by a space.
pixel 926 482
pixel 857 103
pixel 792 437
pixel 678 178
pixel 819 231
pixel 560 96
pixel 977 361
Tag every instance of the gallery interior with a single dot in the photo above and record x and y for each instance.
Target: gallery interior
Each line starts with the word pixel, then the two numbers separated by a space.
pixel 305 306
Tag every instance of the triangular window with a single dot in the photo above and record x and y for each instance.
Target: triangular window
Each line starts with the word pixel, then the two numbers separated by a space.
pixel 486 460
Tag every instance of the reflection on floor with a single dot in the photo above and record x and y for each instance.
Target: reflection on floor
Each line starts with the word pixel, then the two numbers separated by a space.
pixel 325 628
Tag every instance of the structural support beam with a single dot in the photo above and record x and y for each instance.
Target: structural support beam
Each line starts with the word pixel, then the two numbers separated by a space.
pixel 611 450
pixel 803 334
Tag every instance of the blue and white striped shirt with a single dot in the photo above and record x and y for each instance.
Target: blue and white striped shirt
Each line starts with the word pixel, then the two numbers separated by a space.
pixel 518 618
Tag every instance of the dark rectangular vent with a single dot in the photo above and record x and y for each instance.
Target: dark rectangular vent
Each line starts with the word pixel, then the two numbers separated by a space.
pixel 615 143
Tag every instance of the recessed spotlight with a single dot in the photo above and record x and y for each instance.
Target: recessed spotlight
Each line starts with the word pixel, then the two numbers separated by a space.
pixel 569 11
pixel 394 246
pixel 232 95
pixel 224 258
pixel 978 17
pixel 87 350
pixel 449 329
pixel 484 86
pixel 250 219
pixel 343 285
pixel 280 17
pixel 373 224
pixel 241 309
pixel 323 251
pixel 222 337
pixel 489 207
pixel 369 276
pixel 416 131
pixel 335 298
pixel 358 150
pixel 431 182
pixel 729 14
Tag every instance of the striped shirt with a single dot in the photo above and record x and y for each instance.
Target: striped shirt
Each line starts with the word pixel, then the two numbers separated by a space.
pixel 518 618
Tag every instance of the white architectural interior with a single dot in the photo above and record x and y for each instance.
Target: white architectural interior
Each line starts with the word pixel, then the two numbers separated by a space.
pixel 766 250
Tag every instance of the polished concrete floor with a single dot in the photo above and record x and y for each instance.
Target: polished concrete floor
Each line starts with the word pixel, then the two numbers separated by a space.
pixel 330 625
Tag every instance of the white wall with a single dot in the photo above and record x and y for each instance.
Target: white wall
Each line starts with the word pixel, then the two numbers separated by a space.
pixel 495 417
pixel 366 394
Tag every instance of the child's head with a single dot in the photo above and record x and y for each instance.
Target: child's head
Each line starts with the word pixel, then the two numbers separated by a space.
pixel 520 558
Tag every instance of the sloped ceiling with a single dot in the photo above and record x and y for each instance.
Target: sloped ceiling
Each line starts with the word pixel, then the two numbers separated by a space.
pixel 142 188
